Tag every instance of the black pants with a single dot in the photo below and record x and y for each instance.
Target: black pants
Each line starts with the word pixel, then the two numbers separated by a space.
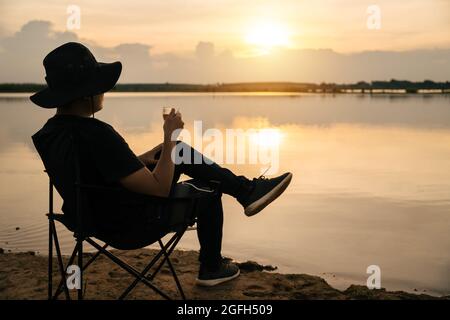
pixel 210 213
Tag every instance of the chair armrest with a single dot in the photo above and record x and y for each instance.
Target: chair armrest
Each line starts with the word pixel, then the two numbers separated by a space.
pixel 92 187
pixel 157 199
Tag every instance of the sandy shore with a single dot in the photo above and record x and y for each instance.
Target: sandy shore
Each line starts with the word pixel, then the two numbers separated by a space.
pixel 24 276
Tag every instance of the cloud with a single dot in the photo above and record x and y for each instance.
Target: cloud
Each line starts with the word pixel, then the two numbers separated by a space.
pixel 136 59
pixel 21 58
pixel 205 50
pixel 22 54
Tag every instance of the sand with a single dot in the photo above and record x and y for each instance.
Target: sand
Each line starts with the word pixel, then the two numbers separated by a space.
pixel 24 276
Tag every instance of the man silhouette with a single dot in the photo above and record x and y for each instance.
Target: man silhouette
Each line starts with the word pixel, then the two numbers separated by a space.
pixel 76 84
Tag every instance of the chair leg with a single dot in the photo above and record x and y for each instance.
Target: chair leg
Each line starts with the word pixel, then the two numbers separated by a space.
pixel 166 251
pixel 50 261
pixel 94 257
pixel 62 282
pixel 167 254
pixel 72 258
pixel 146 269
pixel 80 266
pixel 128 268
pixel 59 257
pixel 172 269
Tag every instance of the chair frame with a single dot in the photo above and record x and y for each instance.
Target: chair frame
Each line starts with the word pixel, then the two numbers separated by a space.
pixel 163 255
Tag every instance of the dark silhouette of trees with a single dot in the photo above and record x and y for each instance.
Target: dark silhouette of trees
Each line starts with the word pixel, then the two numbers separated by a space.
pixel 393 84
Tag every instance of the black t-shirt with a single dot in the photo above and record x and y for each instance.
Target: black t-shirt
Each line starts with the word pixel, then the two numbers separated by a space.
pixel 104 158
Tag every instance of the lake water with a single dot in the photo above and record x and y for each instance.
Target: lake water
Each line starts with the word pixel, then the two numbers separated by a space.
pixel 371 180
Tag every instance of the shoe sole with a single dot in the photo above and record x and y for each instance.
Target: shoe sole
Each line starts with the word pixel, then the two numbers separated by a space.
pixel 215 282
pixel 270 196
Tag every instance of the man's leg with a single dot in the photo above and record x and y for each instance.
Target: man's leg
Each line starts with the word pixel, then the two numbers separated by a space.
pixel 209 231
pixel 253 195
pixel 236 186
pixel 213 269
pixel 209 213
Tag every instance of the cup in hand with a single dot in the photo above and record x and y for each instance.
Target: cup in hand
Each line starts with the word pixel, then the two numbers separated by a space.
pixel 166 112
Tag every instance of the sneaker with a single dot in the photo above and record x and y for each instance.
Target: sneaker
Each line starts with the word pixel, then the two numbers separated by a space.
pixel 226 272
pixel 264 192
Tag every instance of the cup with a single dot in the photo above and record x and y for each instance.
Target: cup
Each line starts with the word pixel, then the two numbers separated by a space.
pixel 166 112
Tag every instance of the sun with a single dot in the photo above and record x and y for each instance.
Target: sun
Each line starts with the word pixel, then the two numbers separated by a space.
pixel 267 34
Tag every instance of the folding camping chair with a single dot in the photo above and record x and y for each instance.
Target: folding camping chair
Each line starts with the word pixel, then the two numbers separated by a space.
pixel 189 203
pixel 80 236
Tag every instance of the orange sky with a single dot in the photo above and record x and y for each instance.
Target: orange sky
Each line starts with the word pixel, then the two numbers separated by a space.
pixel 177 26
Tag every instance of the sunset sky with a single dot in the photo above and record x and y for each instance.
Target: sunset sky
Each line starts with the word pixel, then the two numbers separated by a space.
pixel 242 29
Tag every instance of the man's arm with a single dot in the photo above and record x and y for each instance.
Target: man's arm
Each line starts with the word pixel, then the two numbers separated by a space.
pixel 158 182
pixel 149 157
pixel 155 183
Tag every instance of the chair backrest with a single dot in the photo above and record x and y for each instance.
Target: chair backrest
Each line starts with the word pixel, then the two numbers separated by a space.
pixel 83 221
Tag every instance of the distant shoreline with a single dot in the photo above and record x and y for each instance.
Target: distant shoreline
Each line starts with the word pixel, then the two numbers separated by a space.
pixel 374 87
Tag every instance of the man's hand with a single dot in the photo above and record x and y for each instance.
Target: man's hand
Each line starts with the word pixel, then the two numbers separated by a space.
pixel 172 125
pixel 157 182
pixel 150 156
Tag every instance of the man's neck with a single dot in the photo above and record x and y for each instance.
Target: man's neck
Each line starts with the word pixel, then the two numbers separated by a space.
pixel 74 111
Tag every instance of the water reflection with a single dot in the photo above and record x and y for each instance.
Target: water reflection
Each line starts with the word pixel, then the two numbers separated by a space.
pixel 371 181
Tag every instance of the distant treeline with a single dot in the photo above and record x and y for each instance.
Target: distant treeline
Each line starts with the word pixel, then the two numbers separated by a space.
pixel 407 86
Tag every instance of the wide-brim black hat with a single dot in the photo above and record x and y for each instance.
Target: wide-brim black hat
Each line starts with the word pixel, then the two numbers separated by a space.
pixel 72 72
